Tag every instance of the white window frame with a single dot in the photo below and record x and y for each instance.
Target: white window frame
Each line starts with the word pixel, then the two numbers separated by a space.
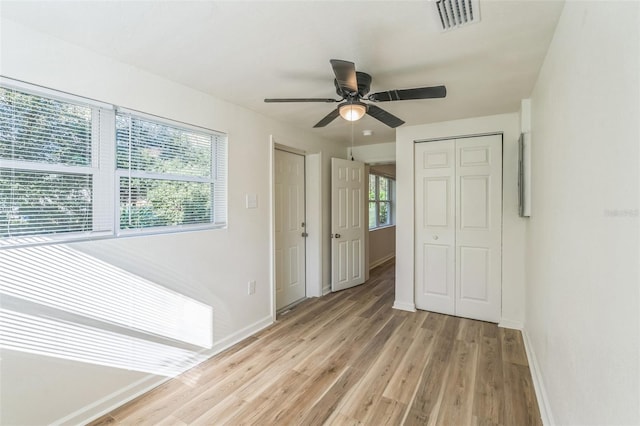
pixel 213 179
pixel 106 177
pixel 377 201
pixel 100 178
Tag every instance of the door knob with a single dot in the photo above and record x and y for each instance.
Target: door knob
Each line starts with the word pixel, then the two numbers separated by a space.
pixel 435 237
pixel 337 235
pixel 304 234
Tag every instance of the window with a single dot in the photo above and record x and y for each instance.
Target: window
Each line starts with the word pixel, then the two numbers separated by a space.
pixel 67 164
pixel 166 175
pixel 380 201
pixel 47 173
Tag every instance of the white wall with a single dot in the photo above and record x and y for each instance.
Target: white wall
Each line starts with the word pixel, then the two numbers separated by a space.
pixel 376 153
pixel 382 245
pixel 582 308
pixel 513 230
pixel 210 266
pixel 388 170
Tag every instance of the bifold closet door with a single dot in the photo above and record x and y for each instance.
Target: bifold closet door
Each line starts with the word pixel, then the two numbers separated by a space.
pixel 479 227
pixel 458 226
pixel 435 226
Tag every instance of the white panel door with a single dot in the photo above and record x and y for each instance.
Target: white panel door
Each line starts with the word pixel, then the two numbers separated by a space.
pixel 289 228
pixel 435 226
pixel 479 227
pixel 347 223
pixel 458 229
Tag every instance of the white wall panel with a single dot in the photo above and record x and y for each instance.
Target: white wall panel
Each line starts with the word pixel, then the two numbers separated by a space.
pixel 583 281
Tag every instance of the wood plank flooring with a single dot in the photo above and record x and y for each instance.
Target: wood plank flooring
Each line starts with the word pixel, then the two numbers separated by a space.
pixel 348 358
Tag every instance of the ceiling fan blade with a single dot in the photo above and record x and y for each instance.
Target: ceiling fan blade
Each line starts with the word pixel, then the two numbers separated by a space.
pixel 327 100
pixel 384 116
pixel 345 72
pixel 328 119
pixel 408 94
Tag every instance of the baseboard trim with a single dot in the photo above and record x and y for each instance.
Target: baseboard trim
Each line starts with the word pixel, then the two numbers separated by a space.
pixel 326 289
pixel 381 261
pixel 507 323
pixel 538 383
pixel 403 306
pixel 110 402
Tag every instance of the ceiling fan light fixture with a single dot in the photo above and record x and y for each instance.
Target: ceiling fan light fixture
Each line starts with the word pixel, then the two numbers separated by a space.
pixel 352 111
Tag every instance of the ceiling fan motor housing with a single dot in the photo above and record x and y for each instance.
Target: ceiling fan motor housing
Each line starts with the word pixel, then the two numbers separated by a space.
pixel 364 84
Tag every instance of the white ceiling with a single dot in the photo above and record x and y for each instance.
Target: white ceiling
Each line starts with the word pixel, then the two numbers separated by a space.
pixel 245 51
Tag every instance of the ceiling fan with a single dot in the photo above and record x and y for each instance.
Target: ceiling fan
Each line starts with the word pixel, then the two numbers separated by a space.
pixel 353 85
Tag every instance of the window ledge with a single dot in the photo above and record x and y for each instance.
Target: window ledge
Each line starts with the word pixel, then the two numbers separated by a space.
pixel 382 227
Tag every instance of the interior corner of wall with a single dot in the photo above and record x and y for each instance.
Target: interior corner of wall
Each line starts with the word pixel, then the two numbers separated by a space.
pixel 510 323
pixel 326 289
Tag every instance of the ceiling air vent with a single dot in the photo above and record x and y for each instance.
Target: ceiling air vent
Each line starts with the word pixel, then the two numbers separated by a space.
pixel 456 13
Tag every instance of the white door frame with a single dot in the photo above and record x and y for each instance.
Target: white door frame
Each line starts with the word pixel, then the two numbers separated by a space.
pixel 313 204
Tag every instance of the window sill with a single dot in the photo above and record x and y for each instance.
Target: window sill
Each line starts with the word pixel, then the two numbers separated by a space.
pixel 65 238
pixel 382 227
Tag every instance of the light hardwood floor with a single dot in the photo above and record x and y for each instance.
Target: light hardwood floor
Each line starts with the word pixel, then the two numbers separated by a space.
pixel 349 358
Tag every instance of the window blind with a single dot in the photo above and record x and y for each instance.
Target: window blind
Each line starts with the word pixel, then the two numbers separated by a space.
pixel 167 174
pixel 34 128
pixel 75 168
pixel 156 147
pixel 45 165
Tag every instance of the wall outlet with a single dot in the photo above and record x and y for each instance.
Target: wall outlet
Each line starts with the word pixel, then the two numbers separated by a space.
pixel 252 287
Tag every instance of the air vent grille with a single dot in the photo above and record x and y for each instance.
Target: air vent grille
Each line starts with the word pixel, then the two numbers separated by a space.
pixel 456 13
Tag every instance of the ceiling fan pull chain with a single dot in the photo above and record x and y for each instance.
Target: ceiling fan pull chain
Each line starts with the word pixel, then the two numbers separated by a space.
pixel 352 124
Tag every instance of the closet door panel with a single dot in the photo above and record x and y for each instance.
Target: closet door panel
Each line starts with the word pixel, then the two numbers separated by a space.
pixel 435 226
pixel 478 227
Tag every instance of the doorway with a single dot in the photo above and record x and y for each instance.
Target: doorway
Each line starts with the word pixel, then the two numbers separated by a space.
pixel 290 228
pixel 381 241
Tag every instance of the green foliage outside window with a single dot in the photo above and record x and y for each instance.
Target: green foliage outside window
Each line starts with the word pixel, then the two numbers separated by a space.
pixel 154 202
pixel 157 148
pixel 379 201
pixel 47 131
